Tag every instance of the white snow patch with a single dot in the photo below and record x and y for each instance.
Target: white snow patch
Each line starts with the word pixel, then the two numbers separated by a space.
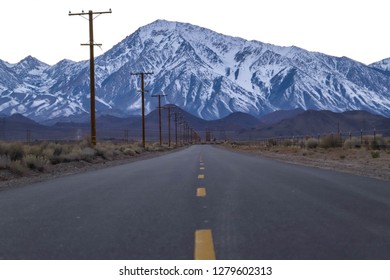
pixel 135 106
pixel 103 102
pixel 37 103
pixel 11 103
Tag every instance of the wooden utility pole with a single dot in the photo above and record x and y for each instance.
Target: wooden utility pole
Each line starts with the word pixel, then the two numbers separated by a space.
pixel 142 74
pixel 181 122
pixel 159 114
pixel 168 107
pixel 176 122
pixel 188 133
pixel 91 45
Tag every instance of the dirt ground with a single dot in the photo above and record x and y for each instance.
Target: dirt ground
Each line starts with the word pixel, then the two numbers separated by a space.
pixel 364 162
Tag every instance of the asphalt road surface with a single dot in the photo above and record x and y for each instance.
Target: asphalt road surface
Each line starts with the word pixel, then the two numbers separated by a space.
pixel 201 202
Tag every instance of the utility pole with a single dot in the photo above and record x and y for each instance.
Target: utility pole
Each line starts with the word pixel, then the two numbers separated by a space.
pixel 168 107
pixel 176 121
pixel 126 135
pixel 142 74
pixel 181 122
pixel 188 133
pixel 185 132
pixel 91 45
pixel 159 114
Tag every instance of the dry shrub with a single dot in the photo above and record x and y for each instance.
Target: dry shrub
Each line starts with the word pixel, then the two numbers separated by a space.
pixel 53 152
pixel 105 150
pixel 330 141
pixel 129 151
pixel 34 162
pixel 86 142
pixel 375 154
pixel 287 143
pixel 18 168
pixel 88 154
pixel 155 147
pixel 272 142
pixel 15 150
pixel 378 143
pixel 5 161
pixel 22 159
pixel 35 149
pixel 354 142
pixel 138 150
pixel 74 154
pixel 311 143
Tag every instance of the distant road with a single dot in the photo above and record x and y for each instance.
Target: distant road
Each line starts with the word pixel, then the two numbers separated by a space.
pixel 200 202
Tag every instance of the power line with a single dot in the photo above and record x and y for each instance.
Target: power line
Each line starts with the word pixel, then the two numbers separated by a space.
pixel 142 74
pixel 169 107
pixel 91 45
pixel 159 113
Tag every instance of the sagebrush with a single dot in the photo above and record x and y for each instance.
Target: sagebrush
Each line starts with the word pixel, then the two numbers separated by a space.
pixel 21 158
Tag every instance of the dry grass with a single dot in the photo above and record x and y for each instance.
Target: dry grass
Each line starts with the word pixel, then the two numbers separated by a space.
pixel 22 159
pixel 370 159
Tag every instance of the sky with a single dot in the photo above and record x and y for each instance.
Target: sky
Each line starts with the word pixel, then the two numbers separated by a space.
pixel 357 29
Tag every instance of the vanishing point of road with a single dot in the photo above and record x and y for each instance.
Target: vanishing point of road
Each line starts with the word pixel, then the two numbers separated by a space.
pixel 201 202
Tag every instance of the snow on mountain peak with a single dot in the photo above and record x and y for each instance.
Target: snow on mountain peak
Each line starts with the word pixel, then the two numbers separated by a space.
pixel 203 72
pixel 382 65
pixel 29 66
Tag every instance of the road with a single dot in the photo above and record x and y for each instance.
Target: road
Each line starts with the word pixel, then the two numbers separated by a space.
pixel 200 202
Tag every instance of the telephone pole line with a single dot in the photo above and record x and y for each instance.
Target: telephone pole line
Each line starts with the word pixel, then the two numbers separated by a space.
pixel 181 122
pixel 91 45
pixel 169 107
pixel 142 74
pixel 159 114
pixel 176 123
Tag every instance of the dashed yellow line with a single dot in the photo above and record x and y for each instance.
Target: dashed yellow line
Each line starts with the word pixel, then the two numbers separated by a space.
pixel 201 192
pixel 204 246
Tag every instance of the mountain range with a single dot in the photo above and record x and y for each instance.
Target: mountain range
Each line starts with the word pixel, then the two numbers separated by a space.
pixel 236 126
pixel 207 74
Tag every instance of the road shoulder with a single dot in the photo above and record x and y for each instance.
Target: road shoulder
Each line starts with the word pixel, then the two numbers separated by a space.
pixel 72 168
pixel 357 162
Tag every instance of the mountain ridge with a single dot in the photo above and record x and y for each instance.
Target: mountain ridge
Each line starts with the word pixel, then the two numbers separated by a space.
pixel 207 74
pixel 237 126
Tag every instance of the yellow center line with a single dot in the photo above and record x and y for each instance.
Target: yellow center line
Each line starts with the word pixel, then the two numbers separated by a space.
pixel 201 192
pixel 204 246
pixel 201 168
pixel 201 176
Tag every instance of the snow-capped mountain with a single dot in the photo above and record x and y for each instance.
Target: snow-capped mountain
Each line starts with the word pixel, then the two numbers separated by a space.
pixel 383 65
pixel 207 74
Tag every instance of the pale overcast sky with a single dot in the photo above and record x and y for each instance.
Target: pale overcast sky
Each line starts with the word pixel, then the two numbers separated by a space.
pixel 358 29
